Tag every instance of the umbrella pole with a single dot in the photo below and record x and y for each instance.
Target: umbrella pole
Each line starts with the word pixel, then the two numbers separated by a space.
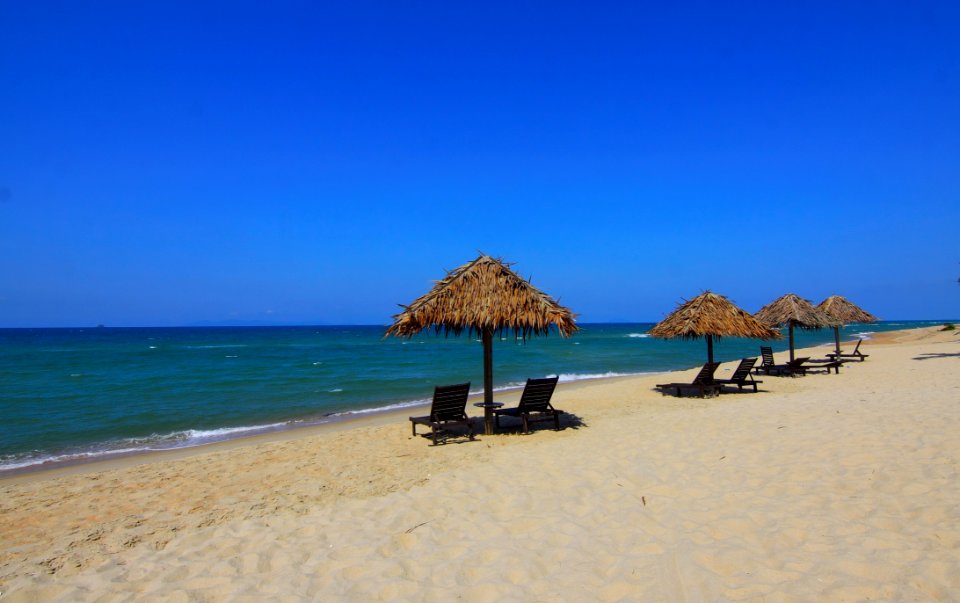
pixel 836 337
pixel 709 348
pixel 791 342
pixel 487 382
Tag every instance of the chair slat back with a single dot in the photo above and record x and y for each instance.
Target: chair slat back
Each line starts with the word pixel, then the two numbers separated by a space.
pixel 706 373
pixel 537 393
pixel 766 353
pixel 743 369
pixel 449 402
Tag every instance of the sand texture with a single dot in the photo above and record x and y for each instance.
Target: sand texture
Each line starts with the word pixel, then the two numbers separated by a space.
pixel 818 488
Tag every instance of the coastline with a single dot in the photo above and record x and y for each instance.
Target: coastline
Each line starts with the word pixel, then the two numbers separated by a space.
pixel 839 486
pixel 331 424
pixel 190 434
pixel 259 435
pixel 374 417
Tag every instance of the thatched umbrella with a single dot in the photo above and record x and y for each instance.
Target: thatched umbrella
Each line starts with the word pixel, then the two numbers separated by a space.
pixel 793 311
pixel 484 297
pixel 710 315
pixel 842 309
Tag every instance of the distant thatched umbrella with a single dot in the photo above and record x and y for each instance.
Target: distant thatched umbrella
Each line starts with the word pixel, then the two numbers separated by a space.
pixel 845 311
pixel 794 311
pixel 710 315
pixel 485 297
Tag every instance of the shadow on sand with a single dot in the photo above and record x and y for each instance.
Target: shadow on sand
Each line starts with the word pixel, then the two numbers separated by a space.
pixel 935 355
pixel 514 426
pixel 509 426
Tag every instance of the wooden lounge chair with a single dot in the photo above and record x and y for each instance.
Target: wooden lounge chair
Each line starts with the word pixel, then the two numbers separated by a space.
pixel 741 375
pixel 767 364
pixel 814 364
pixel 703 383
pixel 448 409
pixel 769 367
pixel 856 353
pixel 534 404
pixel 792 368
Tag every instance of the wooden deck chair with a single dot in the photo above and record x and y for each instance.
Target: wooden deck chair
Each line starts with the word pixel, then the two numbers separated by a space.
pixel 741 375
pixel 769 367
pixel 823 364
pixel 856 353
pixel 448 409
pixel 767 364
pixel 792 367
pixel 703 383
pixel 534 404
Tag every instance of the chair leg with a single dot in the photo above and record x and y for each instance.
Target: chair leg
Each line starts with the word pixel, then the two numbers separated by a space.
pixel 434 435
pixel 526 424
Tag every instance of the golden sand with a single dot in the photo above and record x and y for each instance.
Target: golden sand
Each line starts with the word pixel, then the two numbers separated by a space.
pixel 827 487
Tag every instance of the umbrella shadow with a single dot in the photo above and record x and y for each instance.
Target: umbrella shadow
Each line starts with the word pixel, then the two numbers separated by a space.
pixel 930 355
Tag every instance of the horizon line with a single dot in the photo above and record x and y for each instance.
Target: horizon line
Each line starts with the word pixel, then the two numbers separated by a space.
pixel 254 325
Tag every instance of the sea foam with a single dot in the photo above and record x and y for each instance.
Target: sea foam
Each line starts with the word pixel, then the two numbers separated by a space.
pixel 152 443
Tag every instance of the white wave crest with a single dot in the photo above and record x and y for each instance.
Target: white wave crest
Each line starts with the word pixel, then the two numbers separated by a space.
pixel 155 442
pixel 397 406
pixel 566 378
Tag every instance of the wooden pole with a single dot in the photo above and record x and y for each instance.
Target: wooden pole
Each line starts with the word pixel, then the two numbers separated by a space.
pixel 709 348
pixel 791 341
pixel 836 337
pixel 488 382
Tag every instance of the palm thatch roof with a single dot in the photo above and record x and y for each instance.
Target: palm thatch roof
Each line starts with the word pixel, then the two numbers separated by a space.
pixel 793 310
pixel 844 310
pixel 710 314
pixel 484 295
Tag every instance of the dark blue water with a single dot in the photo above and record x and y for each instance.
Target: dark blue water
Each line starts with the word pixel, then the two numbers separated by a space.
pixel 69 394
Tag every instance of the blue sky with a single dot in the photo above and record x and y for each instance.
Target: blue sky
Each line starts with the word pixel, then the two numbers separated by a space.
pixel 317 163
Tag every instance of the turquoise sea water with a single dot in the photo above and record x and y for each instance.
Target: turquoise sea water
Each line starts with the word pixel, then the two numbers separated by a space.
pixel 73 394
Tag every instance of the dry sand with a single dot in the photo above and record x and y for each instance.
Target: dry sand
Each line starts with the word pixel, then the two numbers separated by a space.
pixel 821 488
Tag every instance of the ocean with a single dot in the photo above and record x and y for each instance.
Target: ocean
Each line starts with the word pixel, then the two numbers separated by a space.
pixel 69 395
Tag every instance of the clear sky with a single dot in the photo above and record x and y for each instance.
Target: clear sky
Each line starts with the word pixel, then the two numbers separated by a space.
pixel 176 163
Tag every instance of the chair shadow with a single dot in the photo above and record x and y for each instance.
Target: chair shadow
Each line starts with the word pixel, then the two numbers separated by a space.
pixel 446 436
pixel 508 426
pixel 726 390
pixel 733 389
pixel 674 394
pixel 514 426
pixel 930 355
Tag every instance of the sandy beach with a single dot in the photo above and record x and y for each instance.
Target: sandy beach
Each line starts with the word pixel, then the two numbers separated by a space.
pixel 819 488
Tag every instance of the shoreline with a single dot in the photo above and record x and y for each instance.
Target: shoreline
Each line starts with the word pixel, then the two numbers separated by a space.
pixel 22 463
pixel 337 424
pixel 825 487
pixel 332 423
